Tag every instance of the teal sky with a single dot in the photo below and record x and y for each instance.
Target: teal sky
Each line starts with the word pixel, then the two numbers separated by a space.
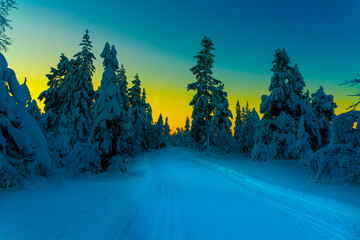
pixel 158 39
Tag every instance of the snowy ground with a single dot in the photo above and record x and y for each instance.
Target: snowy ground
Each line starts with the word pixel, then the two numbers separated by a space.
pixel 178 194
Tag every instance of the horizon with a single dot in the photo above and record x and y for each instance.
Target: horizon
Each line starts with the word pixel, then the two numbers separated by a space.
pixel 158 41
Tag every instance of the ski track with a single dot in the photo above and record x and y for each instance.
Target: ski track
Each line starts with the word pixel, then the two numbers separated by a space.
pixel 333 230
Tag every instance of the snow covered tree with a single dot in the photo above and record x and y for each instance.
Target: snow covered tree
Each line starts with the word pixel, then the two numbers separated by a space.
pixel 63 147
pixel 177 139
pixel 77 93
pixel 123 88
pixel 339 162
pixel 311 123
pixel 107 111
pixel 126 142
pixel 23 147
pixel 51 96
pixel 220 130
pixel 282 110
pixel 80 109
pixel 187 125
pixel 186 134
pixel 148 127
pixel 238 123
pixel 203 101
pixel 303 147
pixel 166 131
pixel 138 114
pixel 276 135
pixel 5 23
pixel 71 93
pixel 323 106
pixel 246 137
pixel 159 139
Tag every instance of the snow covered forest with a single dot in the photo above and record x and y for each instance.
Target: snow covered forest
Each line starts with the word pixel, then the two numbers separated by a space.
pixel 95 164
pixel 83 130
pixel 295 123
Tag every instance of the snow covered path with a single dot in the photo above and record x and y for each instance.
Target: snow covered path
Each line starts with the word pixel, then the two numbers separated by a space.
pixel 189 200
pixel 180 196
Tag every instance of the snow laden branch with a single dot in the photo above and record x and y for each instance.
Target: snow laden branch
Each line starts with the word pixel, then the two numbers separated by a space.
pixel 351 83
pixel 5 23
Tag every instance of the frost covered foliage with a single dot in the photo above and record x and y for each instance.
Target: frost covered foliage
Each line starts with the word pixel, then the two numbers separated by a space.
pixel 107 111
pixel 125 142
pixel 245 129
pixel 276 135
pixel 303 147
pixel 149 125
pixel 238 123
pixel 71 93
pixel 5 23
pixel 177 138
pixel 324 109
pixel 138 113
pixel 204 101
pixel 166 132
pixel 181 137
pixel 51 96
pixel 340 160
pixel 23 147
pixel 159 136
pixel 220 132
pixel 351 83
pixel 78 94
pixel 187 138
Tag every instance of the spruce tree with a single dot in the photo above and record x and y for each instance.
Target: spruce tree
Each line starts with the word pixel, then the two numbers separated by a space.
pixel 123 88
pixel 51 96
pixel 5 23
pixel 203 101
pixel 187 140
pixel 351 83
pixel 80 112
pixel 304 150
pixel 166 131
pixel 323 106
pixel 238 123
pixel 250 121
pixel 138 117
pixel 148 127
pixel 221 123
pixel 126 140
pixel 107 112
pixel 276 135
pixel 159 133
pixel 282 110
pixel 187 125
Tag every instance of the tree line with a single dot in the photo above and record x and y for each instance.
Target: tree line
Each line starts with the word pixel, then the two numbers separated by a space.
pixel 295 124
pixel 81 130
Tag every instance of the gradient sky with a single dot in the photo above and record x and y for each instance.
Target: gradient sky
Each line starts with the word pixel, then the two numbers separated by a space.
pixel 158 40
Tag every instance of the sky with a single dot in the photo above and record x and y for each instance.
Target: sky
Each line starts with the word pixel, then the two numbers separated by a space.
pixel 158 40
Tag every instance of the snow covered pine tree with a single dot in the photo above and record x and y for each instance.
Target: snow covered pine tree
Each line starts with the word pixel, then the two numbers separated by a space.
pixel 203 102
pixel 23 147
pixel 107 112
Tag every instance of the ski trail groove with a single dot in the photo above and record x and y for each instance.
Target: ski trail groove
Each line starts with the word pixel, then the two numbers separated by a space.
pixel 164 223
pixel 296 213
